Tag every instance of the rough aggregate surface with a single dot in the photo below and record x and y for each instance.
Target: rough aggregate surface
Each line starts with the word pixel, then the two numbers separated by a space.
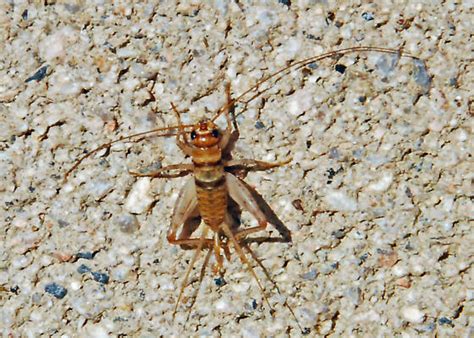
pixel 378 195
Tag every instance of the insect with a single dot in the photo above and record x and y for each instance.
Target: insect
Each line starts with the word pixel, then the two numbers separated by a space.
pixel 216 182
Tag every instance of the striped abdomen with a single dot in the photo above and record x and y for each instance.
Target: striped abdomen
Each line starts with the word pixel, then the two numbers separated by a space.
pixel 211 191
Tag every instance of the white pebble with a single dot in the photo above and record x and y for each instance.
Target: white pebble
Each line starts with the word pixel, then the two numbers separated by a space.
pixel 413 315
pixel 241 287
pixel 19 262
pixel 383 183
pixel 131 84
pixel 340 201
pixel 223 305
pixel 36 316
pixel 75 285
pixel 139 200
pixel 127 52
pixel 54 45
pixel 97 331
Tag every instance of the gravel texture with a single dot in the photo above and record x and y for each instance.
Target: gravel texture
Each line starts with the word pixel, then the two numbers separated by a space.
pixel 378 196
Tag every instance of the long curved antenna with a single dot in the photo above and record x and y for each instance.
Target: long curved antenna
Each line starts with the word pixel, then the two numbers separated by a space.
pixel 181 132
pixel 305 62
pixel 121 139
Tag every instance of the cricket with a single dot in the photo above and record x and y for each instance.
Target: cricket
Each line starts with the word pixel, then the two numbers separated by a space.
pixel 217 181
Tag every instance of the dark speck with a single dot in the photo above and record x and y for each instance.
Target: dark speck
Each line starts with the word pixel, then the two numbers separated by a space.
pixel 62 224
pixel 358 153
pixel 362 99
pixel 85 255
pixel 100 277
pixel 285 2
pixel 367 16
pixel 254 304
pixel 331 173
pixel 39 75
pixel 340 68
pixel 364 257
pixel 306 331
pixel 445 321
pixel 339 234
pixel 24 15
pixel 331 16
pixel 429 328
pixel 219 281
pixel 15 289
pixel 56 290
pixel 259 125
pixel 83 269
pixel 31 188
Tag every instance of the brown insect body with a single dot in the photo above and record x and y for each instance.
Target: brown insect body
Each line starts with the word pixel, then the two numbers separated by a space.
pixel 209 174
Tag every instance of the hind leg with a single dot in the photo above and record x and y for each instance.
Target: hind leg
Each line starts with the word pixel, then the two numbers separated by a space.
pixel 184 211
pixel 240 194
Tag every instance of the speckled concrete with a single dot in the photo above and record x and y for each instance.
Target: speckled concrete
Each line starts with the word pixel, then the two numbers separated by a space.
pixel 378 196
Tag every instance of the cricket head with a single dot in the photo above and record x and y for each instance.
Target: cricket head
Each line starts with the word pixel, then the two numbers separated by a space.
pixel 205 134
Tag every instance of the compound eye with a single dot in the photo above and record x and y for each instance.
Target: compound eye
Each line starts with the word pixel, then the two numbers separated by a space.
pixel 193 135
pixel 215 133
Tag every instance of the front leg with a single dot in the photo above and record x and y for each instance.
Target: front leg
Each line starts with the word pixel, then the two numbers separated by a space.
pixel 170 171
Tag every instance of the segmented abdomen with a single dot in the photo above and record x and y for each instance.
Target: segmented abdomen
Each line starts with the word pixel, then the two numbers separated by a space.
pixel 211 192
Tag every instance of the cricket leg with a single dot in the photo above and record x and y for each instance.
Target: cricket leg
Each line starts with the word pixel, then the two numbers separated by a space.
pixel 243 197
pixel 253 165
pixel 201 277
pixel 244 260
pixel 230 136
pixel 167 172
pixel 185 208
pixel 199 247
pixel 275 285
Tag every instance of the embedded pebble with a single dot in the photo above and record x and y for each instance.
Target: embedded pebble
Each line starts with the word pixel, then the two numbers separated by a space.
pixel 413 315
pixel 38 75
pixel 128 223
pixel 96 331
pixel 139 199
pixel 445 321
pixel 382 184
pixel 56 290
pixel 340 201
pixel 85 255
pixel 310 275
pixel 83 269
pixel 100 277
pixel 222 305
